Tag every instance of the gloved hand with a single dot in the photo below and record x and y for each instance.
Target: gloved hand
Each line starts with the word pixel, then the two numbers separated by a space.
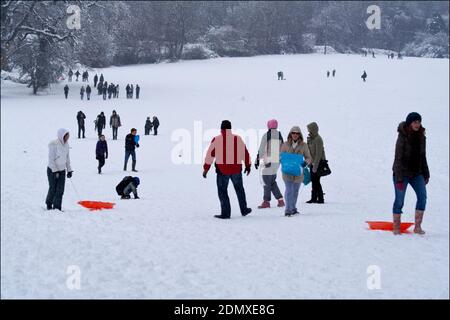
pixel 69 174
pixel 400 186
pixel 204 173
pixel 427 180
pixel 137 145
pixel 247 170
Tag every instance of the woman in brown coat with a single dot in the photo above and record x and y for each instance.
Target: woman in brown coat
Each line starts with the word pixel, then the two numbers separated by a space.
pixel 294 145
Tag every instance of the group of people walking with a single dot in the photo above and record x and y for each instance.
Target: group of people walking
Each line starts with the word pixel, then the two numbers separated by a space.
pixel 107 91
pixel 84 78
pixel 228 152
pixel 130 91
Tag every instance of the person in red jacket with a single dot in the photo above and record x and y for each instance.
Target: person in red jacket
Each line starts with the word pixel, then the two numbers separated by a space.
pixel 229 151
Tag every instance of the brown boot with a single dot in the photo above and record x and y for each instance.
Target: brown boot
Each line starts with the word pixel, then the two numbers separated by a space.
pixel 397 222
pixel 265 204
pixel 418 222
pixel 281 203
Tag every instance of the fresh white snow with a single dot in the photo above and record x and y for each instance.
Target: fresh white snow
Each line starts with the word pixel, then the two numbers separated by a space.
pixel 167 244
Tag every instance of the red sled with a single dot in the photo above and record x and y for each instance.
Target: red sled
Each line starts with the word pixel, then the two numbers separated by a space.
pixel 96 205
pixel 389 226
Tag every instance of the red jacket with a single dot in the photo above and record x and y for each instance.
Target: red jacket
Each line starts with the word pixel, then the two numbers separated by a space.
pixel 229 150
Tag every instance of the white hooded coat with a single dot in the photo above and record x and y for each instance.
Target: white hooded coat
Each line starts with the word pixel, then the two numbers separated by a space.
pixel 58 153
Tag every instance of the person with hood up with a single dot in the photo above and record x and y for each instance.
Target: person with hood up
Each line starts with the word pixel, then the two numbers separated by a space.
pixel 100 123
pixel 297 147
pixel 317 151
pixel 269 152
pixel 126 186
pixel 229 151
pixel 58 163
pixel 410 167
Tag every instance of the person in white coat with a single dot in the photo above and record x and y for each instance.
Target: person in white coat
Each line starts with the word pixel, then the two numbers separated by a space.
pixel 58 162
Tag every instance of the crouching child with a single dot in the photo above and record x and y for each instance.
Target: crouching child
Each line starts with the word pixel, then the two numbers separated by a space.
pixel 126 186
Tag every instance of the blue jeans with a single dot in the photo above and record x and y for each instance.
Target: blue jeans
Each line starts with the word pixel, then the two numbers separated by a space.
pixel 129 153
pixel 222 189
pixel 290 196
pixel 418 184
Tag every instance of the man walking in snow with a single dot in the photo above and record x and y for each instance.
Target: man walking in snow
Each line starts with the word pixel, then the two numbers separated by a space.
pixel 100 123
pixel 77 74
pixel 229 151
pixel 88 92
pixel 95 80
pixel 130 146
pixel 364 76
pixel 66 90
pixel 80 119
pixel 114 123
pixel 58 162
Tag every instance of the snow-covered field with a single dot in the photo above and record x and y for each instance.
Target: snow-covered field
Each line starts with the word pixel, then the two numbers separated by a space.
pixel 167 244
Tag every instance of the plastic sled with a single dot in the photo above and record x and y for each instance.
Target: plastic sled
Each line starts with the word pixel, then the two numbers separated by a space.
pixel 96 205
pixel 389 226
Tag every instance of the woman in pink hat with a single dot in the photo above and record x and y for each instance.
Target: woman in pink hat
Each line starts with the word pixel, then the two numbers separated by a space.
pixel 269 152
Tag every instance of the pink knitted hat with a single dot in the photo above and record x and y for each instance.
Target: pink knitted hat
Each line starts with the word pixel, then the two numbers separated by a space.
pixel 272 124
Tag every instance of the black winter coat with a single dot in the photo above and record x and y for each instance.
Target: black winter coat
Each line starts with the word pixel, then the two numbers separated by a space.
pixel 101 149
pixel 130 143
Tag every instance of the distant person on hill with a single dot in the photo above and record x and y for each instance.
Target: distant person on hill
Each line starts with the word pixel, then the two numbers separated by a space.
pixel 66 90
pixel 100 123
pixel 88 92
pixel 82 92
pixel 80 120
pixel 138 90
pixel 280 75
pixel 148 126
pixel 155 125
pixel 364 76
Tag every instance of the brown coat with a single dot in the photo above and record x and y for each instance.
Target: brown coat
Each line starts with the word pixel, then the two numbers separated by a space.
pixel 407 162
pixel 301 148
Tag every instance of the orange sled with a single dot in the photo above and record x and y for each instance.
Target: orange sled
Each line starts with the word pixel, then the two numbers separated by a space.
pixel 388 226
pixel 96 205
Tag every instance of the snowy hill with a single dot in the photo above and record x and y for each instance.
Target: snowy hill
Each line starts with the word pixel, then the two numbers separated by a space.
pixel 167 244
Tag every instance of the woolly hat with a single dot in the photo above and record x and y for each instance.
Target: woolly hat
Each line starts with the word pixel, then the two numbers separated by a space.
pixel 272 124
pixel 413 116
pixel 225 125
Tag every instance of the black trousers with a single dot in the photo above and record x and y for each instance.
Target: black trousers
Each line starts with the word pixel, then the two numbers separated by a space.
pixel 101 160
pixel 80 129
pixel 317 192
pixel 155 130
pixel 56 182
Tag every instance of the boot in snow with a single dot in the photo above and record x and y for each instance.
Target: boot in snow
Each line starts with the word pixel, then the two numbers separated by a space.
pixel 264 204
pixel 246 212
pixel 313 198
pixel 281 203
pixel 418 222
pixel 397 222
pixel 133 166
